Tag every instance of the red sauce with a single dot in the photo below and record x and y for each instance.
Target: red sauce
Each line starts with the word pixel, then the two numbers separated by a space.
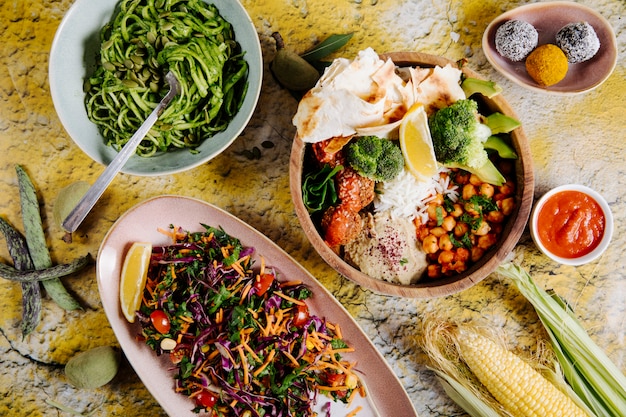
pixel 570 224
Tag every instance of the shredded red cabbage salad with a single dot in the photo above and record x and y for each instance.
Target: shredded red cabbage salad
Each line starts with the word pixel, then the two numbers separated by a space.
pixel 242 342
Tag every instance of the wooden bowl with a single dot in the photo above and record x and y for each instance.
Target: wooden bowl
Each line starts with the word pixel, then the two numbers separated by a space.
pixel 443 286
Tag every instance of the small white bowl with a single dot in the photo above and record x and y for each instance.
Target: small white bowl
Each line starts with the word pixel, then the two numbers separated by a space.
pixel 608 225
pixel 73 57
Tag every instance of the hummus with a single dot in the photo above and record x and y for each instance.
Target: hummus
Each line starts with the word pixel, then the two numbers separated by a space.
pixel 387 249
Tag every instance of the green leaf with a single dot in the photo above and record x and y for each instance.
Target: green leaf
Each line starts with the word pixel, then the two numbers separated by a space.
pixel 318 189
pixel 326 47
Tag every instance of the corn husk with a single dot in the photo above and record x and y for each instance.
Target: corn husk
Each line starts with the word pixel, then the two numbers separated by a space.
pixel 439 342
pixel 587 368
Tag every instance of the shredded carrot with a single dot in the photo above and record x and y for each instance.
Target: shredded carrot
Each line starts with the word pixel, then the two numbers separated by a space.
pixel 185 318
pixel 268 360
pixel 337 329
pixel 244 365
pixel 291 300
pixel 337 388
pixel 250 351
pixel 323 336
pixel 291 358
pixel 213 354
pixel 286 284
pixel 239 269
pixel 244 293
pixel 340 350
pixel 172 233
pixel 255 314
pixel 354 412
pixel 268 328
pixel 315 341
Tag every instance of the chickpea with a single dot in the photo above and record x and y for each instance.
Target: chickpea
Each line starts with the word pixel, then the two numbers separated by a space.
pixel 486 241
pixel 460 229
pixel 456 266
pixel 430 244
pixel 476 253
pixel 483 229
pixel 468 192
pixel 432 210
pixel 508 204
pixel 462 254
pixel 422 232
pixel 457 210
pixel 448 223
pixel 471 209
pixel 486 190
pixel 495 216
pixel 417 222
pixel 474 180
pixel 433 271
pixel 445 243
pixel 508 188
pixel 461 177
pixel 445 257
pixel 437 231
pixel 438 199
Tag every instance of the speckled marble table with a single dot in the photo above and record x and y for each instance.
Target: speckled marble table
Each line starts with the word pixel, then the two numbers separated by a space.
pixel 579 139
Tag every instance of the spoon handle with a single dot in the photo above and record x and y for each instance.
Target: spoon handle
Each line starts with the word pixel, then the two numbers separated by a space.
pixel 93 194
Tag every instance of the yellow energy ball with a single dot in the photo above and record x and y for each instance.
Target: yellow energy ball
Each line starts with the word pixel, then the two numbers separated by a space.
pixel 547 65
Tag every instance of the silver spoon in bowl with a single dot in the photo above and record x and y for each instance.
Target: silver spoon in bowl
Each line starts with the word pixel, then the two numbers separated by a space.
pixel 93 194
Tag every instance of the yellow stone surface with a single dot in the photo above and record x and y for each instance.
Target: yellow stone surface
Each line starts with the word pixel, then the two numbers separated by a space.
pixel 579 139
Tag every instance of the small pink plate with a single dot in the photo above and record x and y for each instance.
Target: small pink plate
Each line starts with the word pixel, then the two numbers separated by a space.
pixel 386 396
pixel 548 18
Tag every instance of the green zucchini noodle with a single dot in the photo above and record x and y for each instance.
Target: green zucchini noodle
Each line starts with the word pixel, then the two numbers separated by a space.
pixel 145 39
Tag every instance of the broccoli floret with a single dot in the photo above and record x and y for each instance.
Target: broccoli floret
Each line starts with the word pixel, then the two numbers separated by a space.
pixel 458 140
pixel 375 158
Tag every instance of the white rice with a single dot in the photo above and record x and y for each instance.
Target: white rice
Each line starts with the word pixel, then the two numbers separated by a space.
pixel 407 197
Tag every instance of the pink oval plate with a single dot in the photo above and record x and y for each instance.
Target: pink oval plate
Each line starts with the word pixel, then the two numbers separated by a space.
pixel 548 18
pixel 386 396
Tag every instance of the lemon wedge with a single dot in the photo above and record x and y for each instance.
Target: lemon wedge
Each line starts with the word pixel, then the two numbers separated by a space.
pixel 133 278
pixel 416 143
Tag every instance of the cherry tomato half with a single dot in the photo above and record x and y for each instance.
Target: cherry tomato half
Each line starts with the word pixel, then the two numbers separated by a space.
pixel 301 316
pixel 160 321
pixel 334 379
pixel 206 399
pixel 262 283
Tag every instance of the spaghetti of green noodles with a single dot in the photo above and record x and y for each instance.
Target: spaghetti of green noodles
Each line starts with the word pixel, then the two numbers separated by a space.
pixel 145 39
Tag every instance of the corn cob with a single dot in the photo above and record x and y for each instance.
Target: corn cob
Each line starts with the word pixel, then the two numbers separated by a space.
pixel 520 389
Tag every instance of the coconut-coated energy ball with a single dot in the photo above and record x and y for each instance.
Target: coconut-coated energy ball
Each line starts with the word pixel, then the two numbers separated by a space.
pixel 579 41
pixel 515 39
